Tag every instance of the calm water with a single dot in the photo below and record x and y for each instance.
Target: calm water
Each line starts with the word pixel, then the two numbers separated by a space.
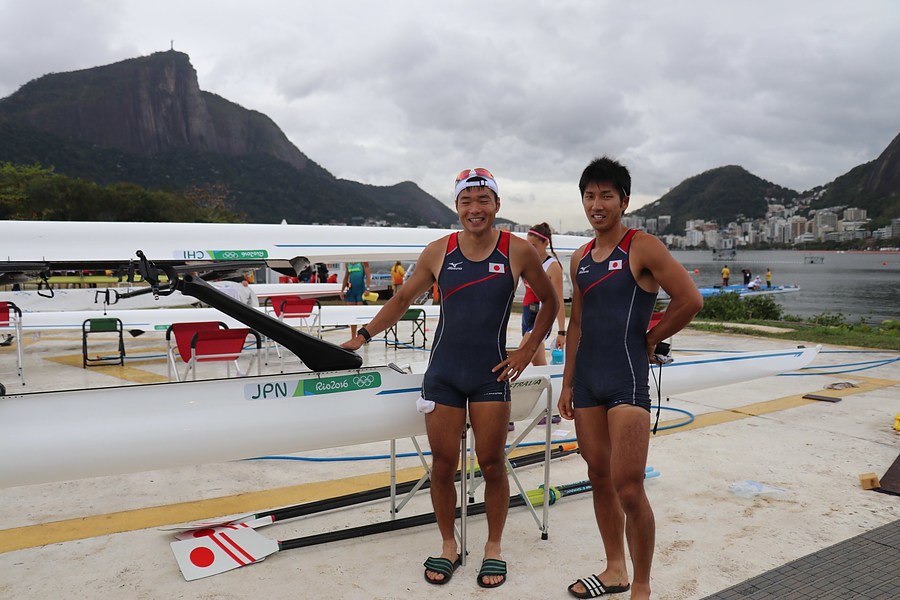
pixel 858 285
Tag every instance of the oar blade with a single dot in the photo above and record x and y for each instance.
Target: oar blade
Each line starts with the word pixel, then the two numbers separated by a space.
pixel 196 530
pixel 222 551
pixel 208 524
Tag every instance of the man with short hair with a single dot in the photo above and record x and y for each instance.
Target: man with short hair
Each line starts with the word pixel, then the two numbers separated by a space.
pixel 477 270
pixel 605 387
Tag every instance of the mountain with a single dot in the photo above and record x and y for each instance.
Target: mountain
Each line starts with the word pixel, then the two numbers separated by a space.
pixel 723 195
pixel 146 121
pixel 874 186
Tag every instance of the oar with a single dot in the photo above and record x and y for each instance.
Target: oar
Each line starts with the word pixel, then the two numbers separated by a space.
pixel 536 497
pixel 227 550
pixel 318 355
pixel 299 510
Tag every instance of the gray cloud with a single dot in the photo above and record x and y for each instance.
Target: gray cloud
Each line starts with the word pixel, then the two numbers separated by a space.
pixel 796 92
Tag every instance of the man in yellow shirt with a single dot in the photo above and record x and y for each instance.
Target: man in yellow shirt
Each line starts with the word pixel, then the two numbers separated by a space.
pixel 726 274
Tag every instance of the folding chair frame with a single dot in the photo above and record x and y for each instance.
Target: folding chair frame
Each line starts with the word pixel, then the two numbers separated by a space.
pixel 11 317
pixel 468 482
pixel 416 316
pixel 203 333
pixel 102 325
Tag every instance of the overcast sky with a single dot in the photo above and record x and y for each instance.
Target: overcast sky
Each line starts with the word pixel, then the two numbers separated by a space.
pixel 796 91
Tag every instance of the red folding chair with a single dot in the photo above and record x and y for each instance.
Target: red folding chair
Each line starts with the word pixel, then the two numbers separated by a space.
pixel 210 341
pixel 304 310
pixel 11 318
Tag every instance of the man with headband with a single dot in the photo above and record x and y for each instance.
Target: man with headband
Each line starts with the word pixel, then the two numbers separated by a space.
pixel 477 270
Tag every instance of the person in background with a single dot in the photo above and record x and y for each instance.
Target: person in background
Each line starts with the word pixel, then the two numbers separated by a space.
pixel 397 274
pixel 322 273
pixel 541 238
pixel 768 278
pixel 357 280
pixel 246 293
pixel 748 276
pixel 726 275
pixel 304 275
pixel 477 270
pixel 605 387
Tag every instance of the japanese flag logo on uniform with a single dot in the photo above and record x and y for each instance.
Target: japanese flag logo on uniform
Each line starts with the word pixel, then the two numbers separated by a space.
pixel 496 268
pixel 615 265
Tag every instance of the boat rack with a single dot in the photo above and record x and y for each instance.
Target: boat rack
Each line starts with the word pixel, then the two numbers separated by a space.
pixel 468 480
pixel 202 539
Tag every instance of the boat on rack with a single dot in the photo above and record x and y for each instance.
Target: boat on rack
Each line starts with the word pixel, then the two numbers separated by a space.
pixel 120 297
pixel 85 433
pixel 146 320
pixel 88 433
pixel 50 245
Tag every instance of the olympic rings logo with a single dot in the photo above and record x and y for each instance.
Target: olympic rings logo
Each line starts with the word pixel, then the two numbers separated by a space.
pixel 230 254
pixel 364 380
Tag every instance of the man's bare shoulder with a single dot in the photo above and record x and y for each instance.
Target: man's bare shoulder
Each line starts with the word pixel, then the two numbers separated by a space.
pixel 522 250
pixel 647 242
pixel 435 250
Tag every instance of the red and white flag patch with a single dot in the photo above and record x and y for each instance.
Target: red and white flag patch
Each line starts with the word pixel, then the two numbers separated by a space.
pixel 496 267
pixel 615 265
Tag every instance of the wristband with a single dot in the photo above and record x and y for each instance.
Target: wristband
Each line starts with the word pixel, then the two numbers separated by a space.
pixel 561 332
pixel 365 333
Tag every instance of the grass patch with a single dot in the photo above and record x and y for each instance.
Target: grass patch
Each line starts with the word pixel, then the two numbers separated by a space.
pixel 858 335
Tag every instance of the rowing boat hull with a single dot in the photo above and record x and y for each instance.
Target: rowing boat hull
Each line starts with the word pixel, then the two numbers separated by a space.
pixel 53 436
pixel 160 319
pixel 105 242
pixel 30 301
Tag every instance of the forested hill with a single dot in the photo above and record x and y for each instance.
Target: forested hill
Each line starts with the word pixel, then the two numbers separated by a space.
pixel 722 195
pixel 146 121
pixel 874 186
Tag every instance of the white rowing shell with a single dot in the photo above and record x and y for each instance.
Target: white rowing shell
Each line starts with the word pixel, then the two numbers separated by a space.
pixel 160 319
pixel 86 433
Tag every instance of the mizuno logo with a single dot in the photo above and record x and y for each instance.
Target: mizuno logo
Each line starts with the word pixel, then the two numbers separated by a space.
pixel 454 266
pixel 584 269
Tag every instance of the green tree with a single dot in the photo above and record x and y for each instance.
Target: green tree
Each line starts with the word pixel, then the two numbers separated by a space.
pixel 14 182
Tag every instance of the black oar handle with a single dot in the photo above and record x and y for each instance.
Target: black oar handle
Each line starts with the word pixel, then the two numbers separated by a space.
pixel 316 354
pixel 317 506
pixel 407 522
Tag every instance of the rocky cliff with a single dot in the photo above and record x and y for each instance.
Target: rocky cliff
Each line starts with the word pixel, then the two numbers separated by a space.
pixel 883 178
pixel 148 106
pixel 145 120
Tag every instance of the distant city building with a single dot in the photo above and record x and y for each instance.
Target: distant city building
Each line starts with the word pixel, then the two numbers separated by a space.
pixel 826 222
pixel 712 237
pixel 694 224
pixel 855 214
pixel 633 222
pixel 692 238
pixel 663 221
pixel 798 227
